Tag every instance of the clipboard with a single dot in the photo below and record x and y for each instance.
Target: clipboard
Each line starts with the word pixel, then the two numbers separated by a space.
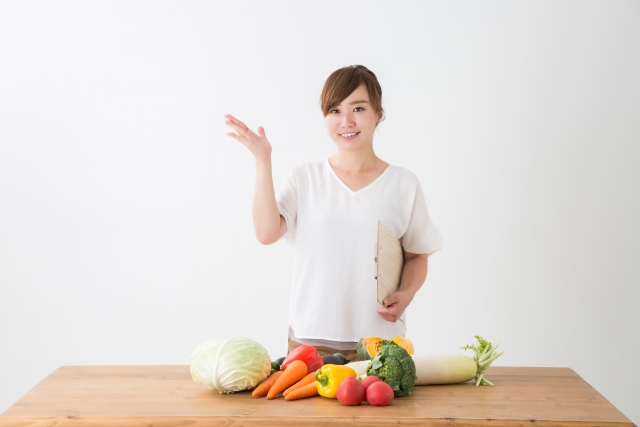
pixel 389 262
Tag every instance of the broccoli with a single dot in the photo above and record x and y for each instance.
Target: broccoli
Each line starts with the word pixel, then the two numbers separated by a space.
pixel 395 366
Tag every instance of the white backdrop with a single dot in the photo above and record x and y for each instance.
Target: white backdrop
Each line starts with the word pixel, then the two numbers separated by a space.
pixel 126 234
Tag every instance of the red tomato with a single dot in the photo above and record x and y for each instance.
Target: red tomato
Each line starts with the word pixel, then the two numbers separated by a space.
pixel 379 394
pixel 367 381
pixel 350 392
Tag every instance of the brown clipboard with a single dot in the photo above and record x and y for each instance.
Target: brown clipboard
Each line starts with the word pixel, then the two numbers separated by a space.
pixel 389 262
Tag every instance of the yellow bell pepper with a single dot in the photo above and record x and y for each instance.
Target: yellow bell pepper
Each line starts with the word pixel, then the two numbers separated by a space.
pixel 329 377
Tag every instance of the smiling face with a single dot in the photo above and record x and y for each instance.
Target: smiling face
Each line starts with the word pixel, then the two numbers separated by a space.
pixel 352 123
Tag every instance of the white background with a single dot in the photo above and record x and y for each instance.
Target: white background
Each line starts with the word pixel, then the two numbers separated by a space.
pixel 126 234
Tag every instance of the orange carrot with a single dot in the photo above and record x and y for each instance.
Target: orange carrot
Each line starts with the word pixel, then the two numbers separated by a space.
pixel 294 373
pixel 266 385
pixel 309 390
pixel 309 378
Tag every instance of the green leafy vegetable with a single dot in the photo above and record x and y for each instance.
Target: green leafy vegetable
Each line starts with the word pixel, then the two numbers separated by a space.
pixel 230 364
pixel 485 354
pixel 395 366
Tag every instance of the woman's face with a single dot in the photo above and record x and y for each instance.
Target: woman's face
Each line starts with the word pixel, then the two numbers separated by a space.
pixel 354 115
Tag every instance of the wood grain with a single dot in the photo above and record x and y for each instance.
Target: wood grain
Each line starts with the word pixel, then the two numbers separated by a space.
pixel 167 396
pixel 389 262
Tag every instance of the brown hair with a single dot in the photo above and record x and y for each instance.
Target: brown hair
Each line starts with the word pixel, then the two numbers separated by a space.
pixel 341 83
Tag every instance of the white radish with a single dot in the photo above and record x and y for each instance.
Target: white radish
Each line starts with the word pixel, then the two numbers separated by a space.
pixel 360 368
pixel 453 368
pixel 443 368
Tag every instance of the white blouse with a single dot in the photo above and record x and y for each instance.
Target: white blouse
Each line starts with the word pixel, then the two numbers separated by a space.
pixel 333 231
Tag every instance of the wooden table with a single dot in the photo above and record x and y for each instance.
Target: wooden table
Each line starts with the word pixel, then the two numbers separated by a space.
pixel 167 396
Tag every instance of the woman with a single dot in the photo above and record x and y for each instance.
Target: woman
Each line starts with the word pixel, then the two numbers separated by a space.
pixel 328 210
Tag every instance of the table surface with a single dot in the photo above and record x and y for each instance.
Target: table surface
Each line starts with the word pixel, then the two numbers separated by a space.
pixel 167 396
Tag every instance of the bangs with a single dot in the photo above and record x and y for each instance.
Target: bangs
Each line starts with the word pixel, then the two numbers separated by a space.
pixel 341 83
pixel 338 88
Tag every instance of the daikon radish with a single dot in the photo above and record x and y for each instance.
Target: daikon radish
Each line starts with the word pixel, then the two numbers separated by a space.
pixel 360 368
pixel 453 368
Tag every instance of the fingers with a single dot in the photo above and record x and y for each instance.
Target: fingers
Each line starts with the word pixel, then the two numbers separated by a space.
pixel 388 314
pixel 388 309
pixel 247 137
pixel 236 122
pixel 390 300
pixel 391 308
pixel 240 129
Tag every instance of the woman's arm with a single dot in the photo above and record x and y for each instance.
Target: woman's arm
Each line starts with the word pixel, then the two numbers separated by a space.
pixel 413 276
pixel 269 225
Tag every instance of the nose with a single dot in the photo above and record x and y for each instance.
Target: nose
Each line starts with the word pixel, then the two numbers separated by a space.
pixel 347 120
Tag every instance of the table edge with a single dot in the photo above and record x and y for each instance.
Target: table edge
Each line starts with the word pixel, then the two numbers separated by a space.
pixel 201 421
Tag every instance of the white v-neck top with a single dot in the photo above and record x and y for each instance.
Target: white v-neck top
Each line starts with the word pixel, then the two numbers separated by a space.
pixel 333 231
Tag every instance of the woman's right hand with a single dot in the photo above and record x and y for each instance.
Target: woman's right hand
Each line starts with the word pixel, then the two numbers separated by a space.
pixel 256 143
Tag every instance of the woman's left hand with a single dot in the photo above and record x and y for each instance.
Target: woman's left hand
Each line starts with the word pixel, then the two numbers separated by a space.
pixel 394 306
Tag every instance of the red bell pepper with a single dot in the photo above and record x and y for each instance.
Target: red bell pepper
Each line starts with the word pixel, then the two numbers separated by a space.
pixel 306 353
pixel 315 363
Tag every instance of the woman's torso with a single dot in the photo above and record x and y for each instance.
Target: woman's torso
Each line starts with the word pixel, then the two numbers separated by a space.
pixel 334 292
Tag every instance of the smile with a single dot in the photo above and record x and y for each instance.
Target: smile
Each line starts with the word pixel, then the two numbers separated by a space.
pixel 349 135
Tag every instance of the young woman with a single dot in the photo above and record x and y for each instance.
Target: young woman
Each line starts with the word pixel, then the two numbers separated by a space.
pixel 328 210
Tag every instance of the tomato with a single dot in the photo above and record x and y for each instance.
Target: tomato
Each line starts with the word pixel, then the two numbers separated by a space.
pixel 379 394
pixel 350 392
pixel 367 381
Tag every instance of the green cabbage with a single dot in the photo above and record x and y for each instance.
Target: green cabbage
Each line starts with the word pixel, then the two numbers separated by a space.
pixel 230 364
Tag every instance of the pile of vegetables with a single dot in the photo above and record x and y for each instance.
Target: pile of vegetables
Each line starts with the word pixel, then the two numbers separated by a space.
pixel 388 369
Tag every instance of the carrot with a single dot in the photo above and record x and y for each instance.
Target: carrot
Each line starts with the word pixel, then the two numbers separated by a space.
pixel 266 385
pixel 309 390
pixel 294 373
pixel 309 378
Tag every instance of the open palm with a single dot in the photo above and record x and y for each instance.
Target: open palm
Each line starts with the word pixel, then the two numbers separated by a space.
pixel 256 143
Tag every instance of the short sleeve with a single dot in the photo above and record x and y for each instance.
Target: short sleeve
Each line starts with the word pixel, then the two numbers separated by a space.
pixel 287 202
pixel 421 236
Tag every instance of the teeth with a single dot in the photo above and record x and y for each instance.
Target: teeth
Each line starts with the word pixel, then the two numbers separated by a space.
pixel 348 135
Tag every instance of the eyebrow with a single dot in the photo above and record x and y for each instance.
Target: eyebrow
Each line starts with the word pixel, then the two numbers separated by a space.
pixel 358 102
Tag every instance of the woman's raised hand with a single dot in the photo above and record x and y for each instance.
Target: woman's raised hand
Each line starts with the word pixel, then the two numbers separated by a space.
pixel 268 223
pixel 256 143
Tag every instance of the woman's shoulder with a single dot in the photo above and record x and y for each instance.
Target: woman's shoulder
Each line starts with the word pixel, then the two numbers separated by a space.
pixel 308 168
pixel 309 165
pixel 404 174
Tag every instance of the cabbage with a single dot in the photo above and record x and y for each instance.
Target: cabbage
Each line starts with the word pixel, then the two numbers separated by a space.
pixel 230 364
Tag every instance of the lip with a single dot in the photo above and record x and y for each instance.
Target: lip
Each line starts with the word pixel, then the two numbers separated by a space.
pixel 348 139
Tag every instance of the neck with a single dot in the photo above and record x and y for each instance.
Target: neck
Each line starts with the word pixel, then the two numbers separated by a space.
pixel 355 160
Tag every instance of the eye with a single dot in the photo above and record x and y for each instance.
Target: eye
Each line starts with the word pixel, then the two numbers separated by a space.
pixel 332 111
pixel 357 108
